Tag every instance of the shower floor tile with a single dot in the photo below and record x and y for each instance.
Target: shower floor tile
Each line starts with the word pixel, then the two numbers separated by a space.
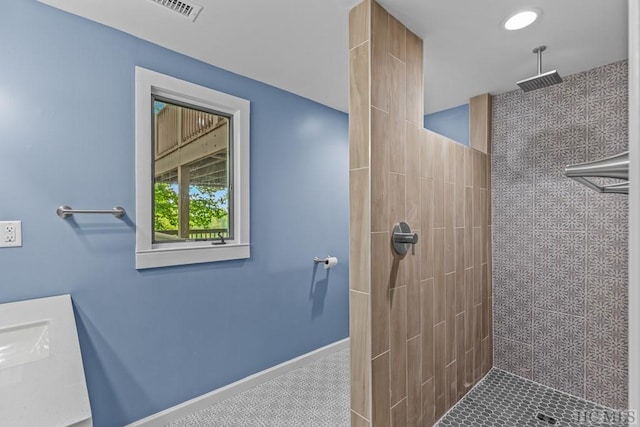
pixel 316 394
pixel 503 399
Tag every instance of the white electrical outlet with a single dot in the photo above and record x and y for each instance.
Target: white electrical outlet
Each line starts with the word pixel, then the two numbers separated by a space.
pixel 10 234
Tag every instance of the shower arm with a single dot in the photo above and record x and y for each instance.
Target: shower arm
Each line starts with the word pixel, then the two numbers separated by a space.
pixel 538 51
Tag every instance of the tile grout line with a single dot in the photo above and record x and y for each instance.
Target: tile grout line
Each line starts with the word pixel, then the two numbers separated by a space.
pixel 586 257
pixel 533 241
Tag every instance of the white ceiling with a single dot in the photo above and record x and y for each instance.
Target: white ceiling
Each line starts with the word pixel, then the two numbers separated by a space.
pixel 301 45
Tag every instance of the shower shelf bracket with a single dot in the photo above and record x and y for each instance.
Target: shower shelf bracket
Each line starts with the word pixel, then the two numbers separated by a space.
pixel 610 167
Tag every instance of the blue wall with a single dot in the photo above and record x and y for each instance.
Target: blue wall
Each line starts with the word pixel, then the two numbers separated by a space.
pixel 152 339
pixel 452 123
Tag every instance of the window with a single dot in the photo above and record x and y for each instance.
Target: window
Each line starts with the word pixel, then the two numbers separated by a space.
pixel 191 180
pixel 192 173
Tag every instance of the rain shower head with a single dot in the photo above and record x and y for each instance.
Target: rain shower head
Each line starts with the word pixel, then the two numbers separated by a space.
pixel 542 79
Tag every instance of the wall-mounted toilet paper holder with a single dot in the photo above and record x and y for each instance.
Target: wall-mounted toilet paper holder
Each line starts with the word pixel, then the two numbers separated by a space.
pixel 402 238
pixel 328 262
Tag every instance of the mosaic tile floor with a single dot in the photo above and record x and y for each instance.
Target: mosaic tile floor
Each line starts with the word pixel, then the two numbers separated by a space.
pixel 316 394
pixel 503 399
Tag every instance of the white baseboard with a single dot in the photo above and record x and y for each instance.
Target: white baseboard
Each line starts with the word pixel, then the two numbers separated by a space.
pixel 196 404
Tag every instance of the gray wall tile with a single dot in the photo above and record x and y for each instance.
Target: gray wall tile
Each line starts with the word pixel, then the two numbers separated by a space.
pixel 559 351
pixel 607 321
pixel 607 385
pixel 513 356
pixel 560 252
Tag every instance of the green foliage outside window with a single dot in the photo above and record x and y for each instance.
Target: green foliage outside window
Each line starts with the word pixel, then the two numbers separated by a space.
pixel 207 207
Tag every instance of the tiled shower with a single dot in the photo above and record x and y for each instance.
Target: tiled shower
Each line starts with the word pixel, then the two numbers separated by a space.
pixel 549 307
pixel 560 249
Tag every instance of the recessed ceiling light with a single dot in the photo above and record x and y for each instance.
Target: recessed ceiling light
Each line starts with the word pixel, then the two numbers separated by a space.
pixel 521 20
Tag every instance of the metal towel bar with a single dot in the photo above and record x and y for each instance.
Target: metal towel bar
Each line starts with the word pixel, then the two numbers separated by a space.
pixel 65 212
pixel 611 167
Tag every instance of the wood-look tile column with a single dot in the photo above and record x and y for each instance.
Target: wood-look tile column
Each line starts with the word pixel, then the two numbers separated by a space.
pixel 420 324
pixel 480 140
pixel 359 215
pixel 480 123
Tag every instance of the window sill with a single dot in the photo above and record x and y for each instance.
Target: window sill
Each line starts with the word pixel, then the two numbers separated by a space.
pixel 167 257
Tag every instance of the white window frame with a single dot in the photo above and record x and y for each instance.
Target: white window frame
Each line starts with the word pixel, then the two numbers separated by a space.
pixel 148 253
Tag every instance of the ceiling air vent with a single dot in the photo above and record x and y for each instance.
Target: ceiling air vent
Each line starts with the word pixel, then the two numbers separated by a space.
pixel 187 9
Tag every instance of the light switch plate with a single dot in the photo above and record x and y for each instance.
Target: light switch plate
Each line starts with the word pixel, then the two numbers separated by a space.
pixel 10 234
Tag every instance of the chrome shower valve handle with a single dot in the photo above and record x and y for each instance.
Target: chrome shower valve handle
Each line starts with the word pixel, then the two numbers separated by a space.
pixel 402 238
